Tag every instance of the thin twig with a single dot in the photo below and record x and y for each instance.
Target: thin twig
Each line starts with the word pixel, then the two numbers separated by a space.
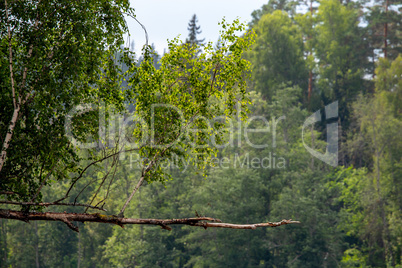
pixel 150 165
pixel 47 204
pixel 43 183
pixel 91 164
pixel 143 27
pixel 9 192
pixel 103 180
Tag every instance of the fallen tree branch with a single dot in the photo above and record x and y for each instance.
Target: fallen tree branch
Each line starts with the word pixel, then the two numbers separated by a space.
pixel 68 218
pixel 243 226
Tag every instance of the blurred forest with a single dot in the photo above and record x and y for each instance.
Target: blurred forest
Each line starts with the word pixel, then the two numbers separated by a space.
pixel 306 56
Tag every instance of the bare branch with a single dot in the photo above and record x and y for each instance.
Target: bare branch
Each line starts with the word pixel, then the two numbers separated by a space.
pixel 9 192
pixel 46 204
pixel 243 226
pixel 131 195
pixel 143 27
pixel 213 79
pixel 147 169
pixel 113 165
pixel 93 163
pixel 43 183
pixel 68 218
pixel 108 188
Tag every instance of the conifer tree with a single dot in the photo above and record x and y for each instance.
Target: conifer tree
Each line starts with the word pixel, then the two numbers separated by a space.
pixel 194 30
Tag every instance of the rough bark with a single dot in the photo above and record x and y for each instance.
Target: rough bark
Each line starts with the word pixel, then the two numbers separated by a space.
pixel 69 218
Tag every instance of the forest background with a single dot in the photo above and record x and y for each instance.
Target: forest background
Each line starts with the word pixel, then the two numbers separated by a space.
pixel 343 52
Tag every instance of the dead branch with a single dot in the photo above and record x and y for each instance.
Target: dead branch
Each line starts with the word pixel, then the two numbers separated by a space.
pixel 9 192
pixel 243 226
pixel 91 164
pixel 68 218
pixel 47 204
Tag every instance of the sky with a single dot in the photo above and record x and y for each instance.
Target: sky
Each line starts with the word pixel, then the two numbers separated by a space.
pixel 166 19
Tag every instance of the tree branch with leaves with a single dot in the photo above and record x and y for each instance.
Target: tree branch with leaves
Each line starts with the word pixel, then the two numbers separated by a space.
pixel 71 57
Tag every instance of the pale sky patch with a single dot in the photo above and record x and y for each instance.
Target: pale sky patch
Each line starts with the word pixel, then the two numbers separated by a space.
pixel 165 19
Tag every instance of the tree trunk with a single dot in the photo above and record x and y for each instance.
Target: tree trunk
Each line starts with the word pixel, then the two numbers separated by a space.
pixel 386 30
pixel 9 135
pixel 36 245
pixel 79 251
pixel 388 256
pixel 4 241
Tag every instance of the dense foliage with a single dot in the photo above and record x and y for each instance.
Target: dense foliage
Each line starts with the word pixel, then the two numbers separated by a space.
pixel 351 215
